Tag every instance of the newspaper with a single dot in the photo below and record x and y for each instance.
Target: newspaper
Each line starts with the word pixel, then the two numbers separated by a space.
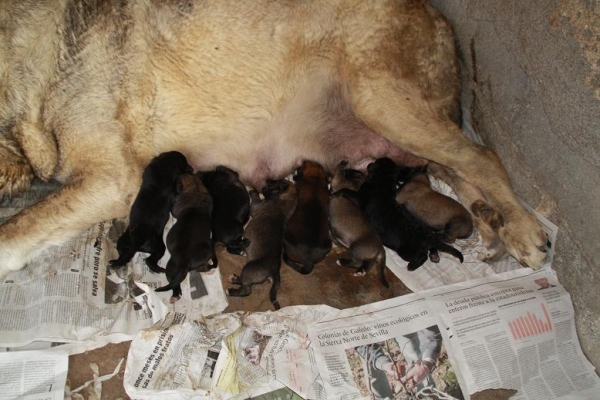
pixel 33 375
pixel 69 293
pixel 228 356
pixel 515 330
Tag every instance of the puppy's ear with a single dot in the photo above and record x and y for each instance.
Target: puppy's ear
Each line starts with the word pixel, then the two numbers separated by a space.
pixel 178 186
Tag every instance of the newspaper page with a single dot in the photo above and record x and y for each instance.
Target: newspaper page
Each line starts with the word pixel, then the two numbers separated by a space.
pixel 33 375
pixel 177 362
pixel 515 330
pixel 517 333
pixel 68 293
pixel 269 353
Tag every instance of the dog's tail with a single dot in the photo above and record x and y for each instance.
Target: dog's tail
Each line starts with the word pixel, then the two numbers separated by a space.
pixel 380 265
pixel 446 248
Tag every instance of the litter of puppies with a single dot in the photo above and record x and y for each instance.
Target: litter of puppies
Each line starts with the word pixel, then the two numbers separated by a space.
pixel 390 206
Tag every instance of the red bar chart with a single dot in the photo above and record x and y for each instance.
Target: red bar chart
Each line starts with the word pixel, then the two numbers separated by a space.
pixel 530 324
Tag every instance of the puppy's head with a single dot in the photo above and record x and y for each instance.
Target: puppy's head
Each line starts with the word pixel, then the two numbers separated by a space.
pixel 310 170
pixel 383 170
pixel 275 188
pixel 346 178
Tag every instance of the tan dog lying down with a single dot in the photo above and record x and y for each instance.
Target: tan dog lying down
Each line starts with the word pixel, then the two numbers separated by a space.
pixel 92 90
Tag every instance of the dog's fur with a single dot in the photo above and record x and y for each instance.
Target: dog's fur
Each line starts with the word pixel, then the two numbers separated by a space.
pixel 91 90
pixel 306 238
pixel 231 208
pixel 398 229
pixel 351 229
pixel 265 232
pixel 150 210
pixel 189 240
pixel 441 213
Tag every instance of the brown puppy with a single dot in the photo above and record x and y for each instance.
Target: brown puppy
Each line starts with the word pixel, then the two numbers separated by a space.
pixel 441 213
pixel 306 238
pixel 351 229
pixel 265 232
pixel 189 240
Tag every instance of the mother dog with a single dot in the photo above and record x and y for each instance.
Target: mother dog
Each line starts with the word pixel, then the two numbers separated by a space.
pixel 91 90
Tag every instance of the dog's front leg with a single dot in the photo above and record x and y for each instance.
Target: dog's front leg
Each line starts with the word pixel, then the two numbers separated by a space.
pixel 84 200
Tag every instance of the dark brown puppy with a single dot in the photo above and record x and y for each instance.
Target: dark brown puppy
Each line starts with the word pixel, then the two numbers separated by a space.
pixel 441 213
pixel 150 210
pixel 351 229
pixel 189 240
pixel 265 232
pixel 231 208
pixel 306 237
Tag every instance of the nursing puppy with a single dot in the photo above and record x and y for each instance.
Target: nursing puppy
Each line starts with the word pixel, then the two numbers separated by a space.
pixel 231 208
pixel 150 210
pixel 351 229
pixel 189 240
pixel 441 213
pixel 397 227
pixel 306 237
pixel 265 232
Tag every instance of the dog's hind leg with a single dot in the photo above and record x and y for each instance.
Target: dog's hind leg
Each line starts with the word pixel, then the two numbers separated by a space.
pixel 158 251
pixel 80 203
pixel 394 108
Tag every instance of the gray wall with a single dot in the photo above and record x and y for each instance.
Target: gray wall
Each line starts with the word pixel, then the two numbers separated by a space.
pixel 532 89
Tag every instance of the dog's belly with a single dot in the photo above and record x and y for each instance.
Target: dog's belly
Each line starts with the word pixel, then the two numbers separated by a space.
pixel 269 141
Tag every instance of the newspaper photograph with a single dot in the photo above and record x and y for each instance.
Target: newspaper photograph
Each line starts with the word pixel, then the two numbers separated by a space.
pixel 388 350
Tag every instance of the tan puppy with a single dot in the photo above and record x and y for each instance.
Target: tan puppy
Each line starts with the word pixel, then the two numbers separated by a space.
pixel 351 229
pixel 441 213
pixel 265 232
pixel 306 237
pixel 91 91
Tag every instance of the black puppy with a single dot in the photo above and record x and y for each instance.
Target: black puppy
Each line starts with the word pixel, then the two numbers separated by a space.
pixel 398 229
pixel 150 210
pixel 265 231
pixel 231 208
pixel 189 240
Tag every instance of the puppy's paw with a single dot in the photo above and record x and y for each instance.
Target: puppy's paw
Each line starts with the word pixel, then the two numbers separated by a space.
pixel 360 272
pixel 173 299
pixel 233 278
pixel 524 239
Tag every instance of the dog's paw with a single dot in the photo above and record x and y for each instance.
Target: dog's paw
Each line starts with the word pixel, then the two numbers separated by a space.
pixel 360 272
pixel 15 172
pixel 233 278
pixel 11 259
pixel 524 239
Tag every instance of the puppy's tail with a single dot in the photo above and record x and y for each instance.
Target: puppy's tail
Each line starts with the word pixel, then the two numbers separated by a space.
pixel 446 248
pixel 174 283
pixel 380 265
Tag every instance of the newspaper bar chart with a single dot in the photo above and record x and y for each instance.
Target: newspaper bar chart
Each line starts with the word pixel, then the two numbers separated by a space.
pixel 529 325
